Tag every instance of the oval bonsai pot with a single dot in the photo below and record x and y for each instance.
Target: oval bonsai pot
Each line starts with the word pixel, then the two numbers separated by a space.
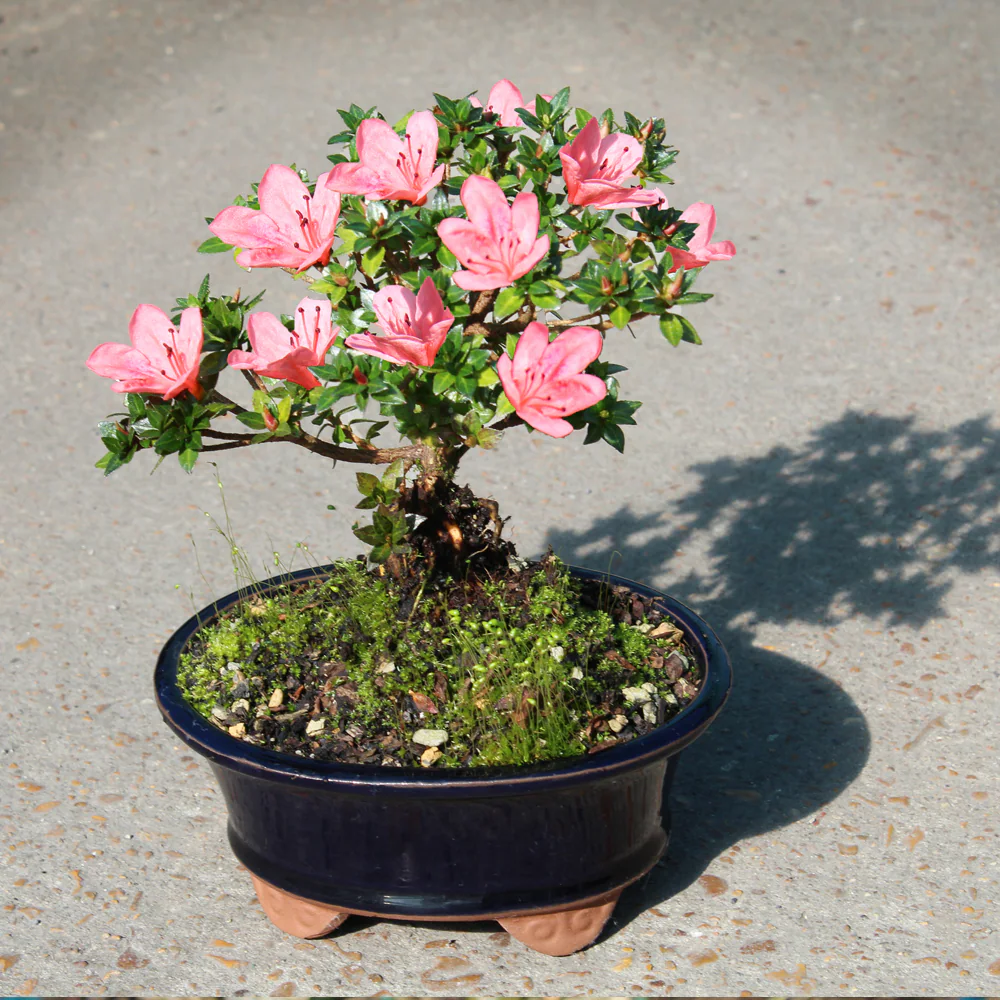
pixel 546 849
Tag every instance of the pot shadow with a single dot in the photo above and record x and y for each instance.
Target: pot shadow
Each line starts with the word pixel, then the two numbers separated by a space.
pixel 870 517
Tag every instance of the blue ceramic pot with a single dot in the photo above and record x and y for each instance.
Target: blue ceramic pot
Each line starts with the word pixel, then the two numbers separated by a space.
pixel 456 843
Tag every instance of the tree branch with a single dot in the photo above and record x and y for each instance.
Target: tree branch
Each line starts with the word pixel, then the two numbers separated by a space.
pixel 409 454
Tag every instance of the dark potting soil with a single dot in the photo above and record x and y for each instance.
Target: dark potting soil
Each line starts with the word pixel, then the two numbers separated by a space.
pixel 526 666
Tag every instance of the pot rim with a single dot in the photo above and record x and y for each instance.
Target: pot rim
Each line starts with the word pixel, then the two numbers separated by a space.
pixel 228 751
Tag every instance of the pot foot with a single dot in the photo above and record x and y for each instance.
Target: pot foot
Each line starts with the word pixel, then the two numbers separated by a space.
pixel 564 932
pixel 294 915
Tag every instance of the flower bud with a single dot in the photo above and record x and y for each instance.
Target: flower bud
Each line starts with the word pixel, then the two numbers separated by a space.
pixel 270 421
pixel 606 286
pixel 646 130
pixel 359 376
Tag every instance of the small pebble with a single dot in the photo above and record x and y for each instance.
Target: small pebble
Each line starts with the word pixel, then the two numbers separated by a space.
pixel 241 703
pixel 315 727
pixel 637 694
pixel 355 731
pixel 664 628
pixel 430 756
pixel 649 713
pixel 239 730
pixel 430 737
pixel 576 673
pixel 617 724
pixel 277 699
pixel 557 653
pixel 220 713
pixel 385 667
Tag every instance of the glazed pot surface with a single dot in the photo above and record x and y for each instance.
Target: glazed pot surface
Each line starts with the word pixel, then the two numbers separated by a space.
pixel 460 842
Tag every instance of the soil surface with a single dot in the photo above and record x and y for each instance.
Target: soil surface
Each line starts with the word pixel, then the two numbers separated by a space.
pixel 531 665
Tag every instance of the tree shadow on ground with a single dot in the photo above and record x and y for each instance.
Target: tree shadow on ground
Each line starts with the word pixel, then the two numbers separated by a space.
pixel 869 518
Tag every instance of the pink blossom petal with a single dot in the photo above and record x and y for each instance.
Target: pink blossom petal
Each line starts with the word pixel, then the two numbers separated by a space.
pixel 422 136
pixel 432 182
pixel 530 350
pixel 351 178
pixel 504 100
pixel 395 306
pixel 378 145
pixel 269 337
pixel 524 217
pixel 241 359
pixel 312 324
pixel 119 361
pixel 486 205
pixel 245 227
pixel 618 155
pixel 283 197
pixel 572 351
pixel 191 337
pixel 150 331
pixel 530 258
pixel 552 426
pixel 703 216
pixel 723 250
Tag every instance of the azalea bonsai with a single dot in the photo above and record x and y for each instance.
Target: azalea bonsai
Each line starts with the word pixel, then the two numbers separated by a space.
pixel 464 271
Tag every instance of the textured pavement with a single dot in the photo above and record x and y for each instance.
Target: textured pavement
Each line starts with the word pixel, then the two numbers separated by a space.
pixel 819 480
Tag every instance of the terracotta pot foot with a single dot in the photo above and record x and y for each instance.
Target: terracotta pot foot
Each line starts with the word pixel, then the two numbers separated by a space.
pixel 564 932
pixel 294 915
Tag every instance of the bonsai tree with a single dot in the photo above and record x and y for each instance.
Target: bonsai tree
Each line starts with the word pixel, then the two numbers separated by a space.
pixel 463 270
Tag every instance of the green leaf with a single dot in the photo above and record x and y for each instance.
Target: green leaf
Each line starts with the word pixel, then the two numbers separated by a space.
pixel 366 483
pixel 487 377
pixel 371 260
pixel 136 406
pixel 508 302
pixel 690 333
pixel 203 289
pixel 559 103
pixel 615 436
pixel 349 238
pixel 284 409
pixel 187 458
pixel 544 300
pixel 109 463
pixel 330 288
pixel 620 316
pixel 582 117
pixel 443 381
pixel 214 245
pixel 504 405
pixel 672 327
pixel 252 420
pixel 446 258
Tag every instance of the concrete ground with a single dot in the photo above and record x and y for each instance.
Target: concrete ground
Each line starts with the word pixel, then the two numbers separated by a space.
pixel 819 480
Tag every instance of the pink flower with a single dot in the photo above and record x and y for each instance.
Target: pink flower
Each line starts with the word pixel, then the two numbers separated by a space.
pixel 162 359
pixel 498 243
pixel 415 326
pixel 700 252
pixel 662 203
pixel 292 227
pixel 595 170
pixel 279 354
pixel 504 100
pixel 390 167
pixel 545 382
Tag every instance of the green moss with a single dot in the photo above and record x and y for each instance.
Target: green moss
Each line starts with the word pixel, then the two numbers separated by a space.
pixel 516 675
